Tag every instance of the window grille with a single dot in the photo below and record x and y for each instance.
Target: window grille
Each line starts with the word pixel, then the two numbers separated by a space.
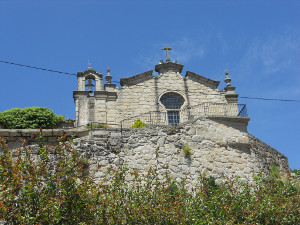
pixel 173 118
pixel 172 100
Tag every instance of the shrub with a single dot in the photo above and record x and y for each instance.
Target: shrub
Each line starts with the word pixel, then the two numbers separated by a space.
pixel 35 191
pixel 296 171
pixel 29 118
pixel 186 150
pixel 138 123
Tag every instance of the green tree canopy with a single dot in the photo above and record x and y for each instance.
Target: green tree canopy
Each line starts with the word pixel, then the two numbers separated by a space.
pixel 29 118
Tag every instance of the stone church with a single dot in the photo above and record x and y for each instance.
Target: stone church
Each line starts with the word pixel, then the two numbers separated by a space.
pixel 191 126
pixel 167 98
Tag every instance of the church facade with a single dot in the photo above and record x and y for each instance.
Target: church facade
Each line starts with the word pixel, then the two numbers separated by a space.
pixel 191 127
pixel 166 98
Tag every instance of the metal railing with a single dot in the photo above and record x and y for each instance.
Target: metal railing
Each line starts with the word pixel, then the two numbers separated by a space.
pixel 154 118
pixel 190 113
pixel 214 110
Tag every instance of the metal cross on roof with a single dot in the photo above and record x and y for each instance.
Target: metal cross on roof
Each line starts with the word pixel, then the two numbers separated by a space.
pixel 167 52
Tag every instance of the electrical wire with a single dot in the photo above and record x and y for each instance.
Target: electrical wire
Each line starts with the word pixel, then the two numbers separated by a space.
pixel 38 68
pixel 73 74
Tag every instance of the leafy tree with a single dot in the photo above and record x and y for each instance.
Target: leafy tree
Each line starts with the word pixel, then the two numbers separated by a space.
pixel 29 118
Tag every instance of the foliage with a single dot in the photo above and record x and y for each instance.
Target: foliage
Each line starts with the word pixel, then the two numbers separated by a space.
pixel 33 191
pixel 29 118
pixel 138 124
pixel 186 150
pixel 274 171
pixel 296 171
pixel 97 125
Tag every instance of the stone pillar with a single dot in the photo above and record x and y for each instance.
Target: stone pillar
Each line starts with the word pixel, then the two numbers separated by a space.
pixel 76 100
pixel 99 83
pixel 80 83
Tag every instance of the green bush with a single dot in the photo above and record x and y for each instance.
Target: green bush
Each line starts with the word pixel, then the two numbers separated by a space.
pixel 29 118
pixel 138 123
pixel 296 171
pixel 33 191
pixel 187 150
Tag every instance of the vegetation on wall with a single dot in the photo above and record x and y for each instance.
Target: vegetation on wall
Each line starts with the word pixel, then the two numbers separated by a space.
pixel 29 118
pixel 34 192
pixel 187 150
pixel 138 124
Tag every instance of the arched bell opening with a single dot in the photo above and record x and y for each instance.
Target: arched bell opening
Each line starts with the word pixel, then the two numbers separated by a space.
pixel 90 84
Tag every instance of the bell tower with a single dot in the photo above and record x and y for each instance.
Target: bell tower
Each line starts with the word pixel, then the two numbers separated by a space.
pixel 88 82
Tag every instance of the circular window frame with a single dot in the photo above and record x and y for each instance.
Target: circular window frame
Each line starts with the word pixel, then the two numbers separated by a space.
pixel 164 109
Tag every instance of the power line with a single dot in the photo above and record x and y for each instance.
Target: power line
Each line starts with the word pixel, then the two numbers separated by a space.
pixel 38 68
pixel 73 74
pixel 272 99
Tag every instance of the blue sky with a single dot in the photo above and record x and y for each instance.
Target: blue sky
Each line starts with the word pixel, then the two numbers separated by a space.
pixel 258 42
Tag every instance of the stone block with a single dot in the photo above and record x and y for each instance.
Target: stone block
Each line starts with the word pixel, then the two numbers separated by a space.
pixel 195 163
pixel 238 160
pixel 243 140
pixel 241 166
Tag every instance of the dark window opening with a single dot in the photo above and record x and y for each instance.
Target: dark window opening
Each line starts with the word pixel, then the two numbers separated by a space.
pixel 173 118
pixel 172 100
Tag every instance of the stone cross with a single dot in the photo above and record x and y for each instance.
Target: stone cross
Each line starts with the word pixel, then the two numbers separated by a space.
pixel 167 51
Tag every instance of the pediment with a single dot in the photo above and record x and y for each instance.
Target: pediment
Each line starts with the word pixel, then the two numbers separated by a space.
pixel 89 73
pixel 137 78
pixel 202 80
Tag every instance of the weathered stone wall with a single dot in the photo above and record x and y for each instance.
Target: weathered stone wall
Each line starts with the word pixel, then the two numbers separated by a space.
pixel 143 95
pixel 218 147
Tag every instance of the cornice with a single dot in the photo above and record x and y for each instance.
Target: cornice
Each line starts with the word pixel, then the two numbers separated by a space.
pixel 202 79
pixel 137 78
pixel 169 66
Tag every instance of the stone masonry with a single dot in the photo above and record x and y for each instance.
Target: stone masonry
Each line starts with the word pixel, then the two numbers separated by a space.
pixel 218 147
pixel 142 93
pixel 192 114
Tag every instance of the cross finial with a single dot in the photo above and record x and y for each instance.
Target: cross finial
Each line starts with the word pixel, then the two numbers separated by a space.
pixel 89 64
pixel 167 52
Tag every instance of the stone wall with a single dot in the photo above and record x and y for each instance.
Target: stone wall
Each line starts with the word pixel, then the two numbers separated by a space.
pixel 217 147
pixel 143 96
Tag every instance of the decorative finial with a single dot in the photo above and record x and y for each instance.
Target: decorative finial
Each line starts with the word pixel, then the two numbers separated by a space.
pixel 161 61
pixel 227 80
pixel 167 52
pixel 108 76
